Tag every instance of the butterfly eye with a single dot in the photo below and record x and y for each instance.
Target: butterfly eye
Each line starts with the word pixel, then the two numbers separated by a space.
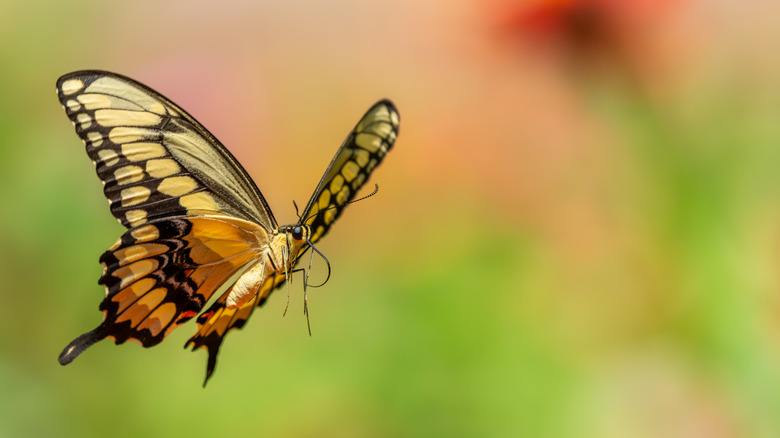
pixel 297 233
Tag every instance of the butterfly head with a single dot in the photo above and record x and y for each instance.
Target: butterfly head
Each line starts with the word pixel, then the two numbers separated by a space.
pixel 297 237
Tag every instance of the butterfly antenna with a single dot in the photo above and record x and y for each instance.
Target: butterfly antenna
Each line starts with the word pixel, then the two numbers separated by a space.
pixel 311 258
pixel 376 189
pixel 296 209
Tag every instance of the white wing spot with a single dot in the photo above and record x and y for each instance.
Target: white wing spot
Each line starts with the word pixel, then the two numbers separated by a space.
pixel 84 120
pixel 394 118
pixel 95 138
pixel 134 195
pixel 72 105
pixel 128 175
pixel 108 156
pixel 72 86
pixel 135 217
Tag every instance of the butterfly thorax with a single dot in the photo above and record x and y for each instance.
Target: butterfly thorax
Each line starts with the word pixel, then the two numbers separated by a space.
pixel 276 260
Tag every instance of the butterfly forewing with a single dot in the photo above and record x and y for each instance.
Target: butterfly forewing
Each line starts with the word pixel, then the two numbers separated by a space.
pixel 358 156
pixel 153 158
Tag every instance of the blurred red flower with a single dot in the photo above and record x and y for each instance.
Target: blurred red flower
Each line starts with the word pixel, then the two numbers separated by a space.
pixel 582 28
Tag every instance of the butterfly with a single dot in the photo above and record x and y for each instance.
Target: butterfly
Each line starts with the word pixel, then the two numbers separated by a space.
pixel 195 219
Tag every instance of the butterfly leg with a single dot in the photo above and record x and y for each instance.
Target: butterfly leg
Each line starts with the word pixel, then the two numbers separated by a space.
pixel 306 309
pixel 287 276
pixel 306 291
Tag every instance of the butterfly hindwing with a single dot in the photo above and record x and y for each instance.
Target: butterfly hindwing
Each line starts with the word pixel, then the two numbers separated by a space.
pixel 358 156
pixel 154 159
pixel 161 274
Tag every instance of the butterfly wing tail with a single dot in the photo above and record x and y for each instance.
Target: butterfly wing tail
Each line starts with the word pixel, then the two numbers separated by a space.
pixel 78 345
pixel 219 319
pixel 214 324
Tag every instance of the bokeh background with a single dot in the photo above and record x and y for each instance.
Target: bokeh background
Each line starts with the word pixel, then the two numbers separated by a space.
pixel 576 235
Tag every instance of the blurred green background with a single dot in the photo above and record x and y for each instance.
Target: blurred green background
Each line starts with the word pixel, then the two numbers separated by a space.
pixel 576 235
